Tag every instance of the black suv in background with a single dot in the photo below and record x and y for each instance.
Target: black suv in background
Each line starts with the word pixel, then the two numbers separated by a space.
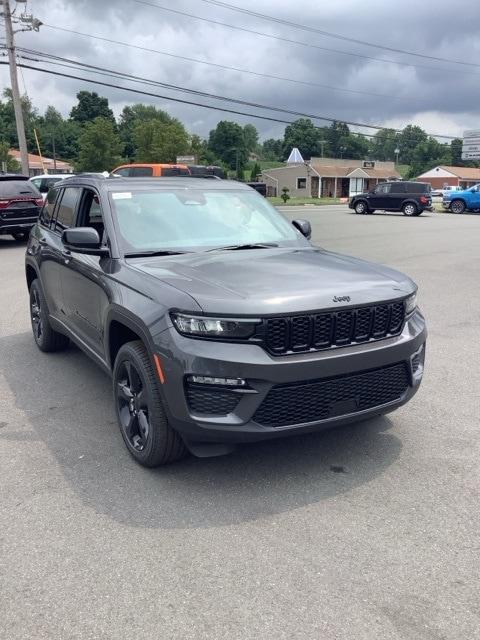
pixel 412 198
pixel 20 204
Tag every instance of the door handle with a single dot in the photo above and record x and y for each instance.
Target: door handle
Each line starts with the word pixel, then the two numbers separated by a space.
pixel 42 242
pixel 67 255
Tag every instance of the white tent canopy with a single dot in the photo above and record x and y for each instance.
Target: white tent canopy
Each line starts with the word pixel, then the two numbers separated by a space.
pixel 295 156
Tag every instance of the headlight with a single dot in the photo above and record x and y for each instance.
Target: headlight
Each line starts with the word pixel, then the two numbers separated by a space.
pixel 411 303
pixel 213 327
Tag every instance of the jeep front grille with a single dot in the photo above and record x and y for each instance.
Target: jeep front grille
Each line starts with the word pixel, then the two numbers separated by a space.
pixel 295 334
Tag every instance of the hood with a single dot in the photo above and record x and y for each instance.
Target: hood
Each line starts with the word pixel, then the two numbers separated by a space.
pixel 274 281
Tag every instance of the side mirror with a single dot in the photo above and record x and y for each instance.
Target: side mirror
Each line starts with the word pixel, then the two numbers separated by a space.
pixel 304 227
pixel 83 240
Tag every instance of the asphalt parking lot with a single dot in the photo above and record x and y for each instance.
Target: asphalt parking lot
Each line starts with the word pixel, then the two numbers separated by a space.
pixel 370 531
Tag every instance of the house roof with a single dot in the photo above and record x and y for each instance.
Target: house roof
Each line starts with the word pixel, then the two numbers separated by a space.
pixel 35 162
pixel 465 173
pixel 326 171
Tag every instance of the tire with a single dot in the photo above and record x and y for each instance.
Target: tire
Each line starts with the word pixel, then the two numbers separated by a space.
pixel 45 337
pixel 141 416
pixel 20 236
pixel 410 209
pixel 361 207
pixel 457 206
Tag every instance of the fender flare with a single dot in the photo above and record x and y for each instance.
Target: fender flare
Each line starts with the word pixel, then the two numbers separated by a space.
pixel 123 316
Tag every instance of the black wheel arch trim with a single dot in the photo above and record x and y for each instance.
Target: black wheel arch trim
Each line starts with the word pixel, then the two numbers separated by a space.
pixel 129 320
pixel 29 262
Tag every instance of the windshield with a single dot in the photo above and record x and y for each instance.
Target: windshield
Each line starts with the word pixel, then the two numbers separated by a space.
pixel 197 218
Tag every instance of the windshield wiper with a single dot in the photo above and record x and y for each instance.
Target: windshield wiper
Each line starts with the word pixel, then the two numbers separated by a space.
pixel 160 252
pixel 236 247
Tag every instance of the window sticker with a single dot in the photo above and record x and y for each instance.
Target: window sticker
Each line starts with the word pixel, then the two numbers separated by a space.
pixel 121 195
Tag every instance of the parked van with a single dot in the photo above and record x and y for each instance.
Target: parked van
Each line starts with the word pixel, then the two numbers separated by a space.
pixel 148 170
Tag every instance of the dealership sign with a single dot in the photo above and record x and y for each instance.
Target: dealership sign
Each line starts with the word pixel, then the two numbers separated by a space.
pixel 471 145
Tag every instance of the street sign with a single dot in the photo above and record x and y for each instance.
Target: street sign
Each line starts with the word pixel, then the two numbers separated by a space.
pixel 472 133
pixel 185 159
pixel 471 140
pixel 471 144
pixel 470 147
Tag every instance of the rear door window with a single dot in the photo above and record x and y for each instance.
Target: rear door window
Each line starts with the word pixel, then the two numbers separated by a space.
pixel 417 187
pixel 67 209
pixel 175 171
pixel 46 215
pixel 397 187
pixel 140 172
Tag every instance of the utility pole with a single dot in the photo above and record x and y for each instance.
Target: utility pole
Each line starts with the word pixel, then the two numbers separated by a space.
pixel 30 23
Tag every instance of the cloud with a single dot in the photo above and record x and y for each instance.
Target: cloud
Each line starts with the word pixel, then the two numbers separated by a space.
pixel 442 97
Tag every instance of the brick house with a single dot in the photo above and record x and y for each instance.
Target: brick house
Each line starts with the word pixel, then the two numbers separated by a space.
pixel 445 176
pixel 328 177
pixel 49 165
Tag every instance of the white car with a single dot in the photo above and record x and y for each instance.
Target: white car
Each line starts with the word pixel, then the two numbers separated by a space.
pixel 47 180
pixel 441 192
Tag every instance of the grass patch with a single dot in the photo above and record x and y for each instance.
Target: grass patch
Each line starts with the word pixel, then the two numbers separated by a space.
pixel 299 201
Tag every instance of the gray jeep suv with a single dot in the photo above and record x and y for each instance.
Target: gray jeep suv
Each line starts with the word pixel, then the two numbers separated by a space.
pixel 217 319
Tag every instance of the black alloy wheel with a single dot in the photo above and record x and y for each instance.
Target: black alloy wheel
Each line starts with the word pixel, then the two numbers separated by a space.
pixel 132 406
pixel 140 412
pixel 45 337
pixel 35 315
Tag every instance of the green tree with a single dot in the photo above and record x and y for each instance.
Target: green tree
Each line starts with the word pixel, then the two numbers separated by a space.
pixel 131 116
pixel 156 141
pixel 99 146
pixel 8 127
pixel 353 146
pixel 227 143
pixel 427 155
pixel 456 151
pixel 250 135
pixel 272 149
pixel 197 146
pixel 90 106
pixel 408 140
pixel 256 171
pixel 337 136
pixel 58 136
pixel 383 144
pixel 304 135
pixel 5 157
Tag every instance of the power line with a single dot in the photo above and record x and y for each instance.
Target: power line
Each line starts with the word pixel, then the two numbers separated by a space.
pixel 118 74
pixel 189 102
pixel 152 95
pixel 330 34
pixel 223 66
pixel 303 44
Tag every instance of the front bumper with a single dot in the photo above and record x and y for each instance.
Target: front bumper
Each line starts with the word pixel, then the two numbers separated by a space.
pixel 182 357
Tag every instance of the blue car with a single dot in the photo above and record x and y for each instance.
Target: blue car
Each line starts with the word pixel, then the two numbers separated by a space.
pixel 460 201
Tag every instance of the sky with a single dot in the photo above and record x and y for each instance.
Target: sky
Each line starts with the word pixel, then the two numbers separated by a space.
pixel 442 97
